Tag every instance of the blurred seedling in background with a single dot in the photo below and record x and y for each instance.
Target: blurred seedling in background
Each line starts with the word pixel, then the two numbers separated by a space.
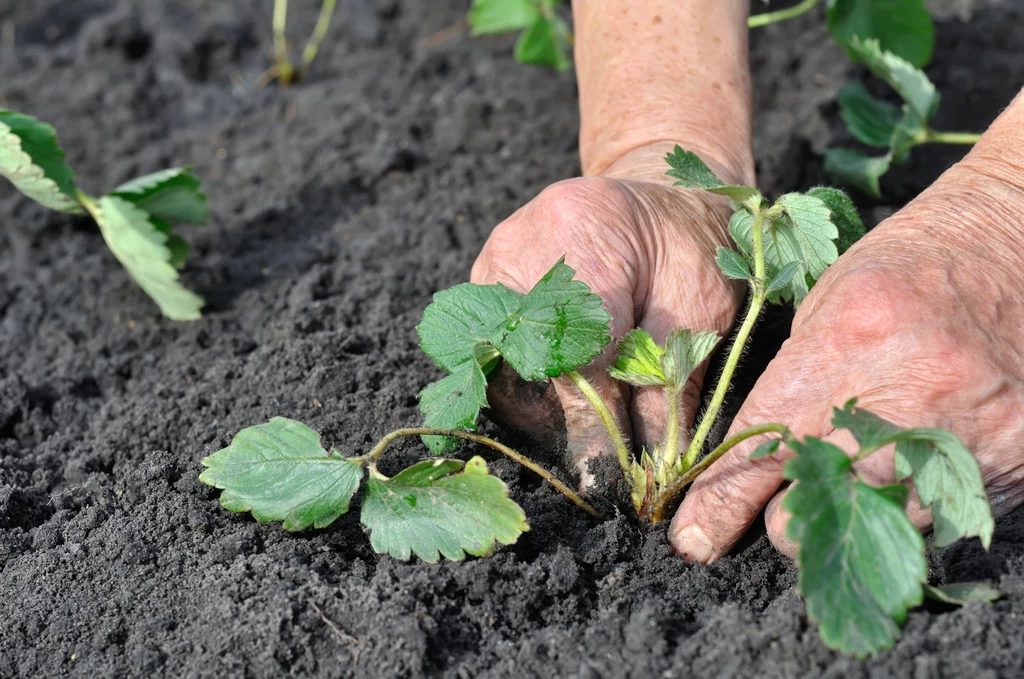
pixel 545 38
pixel 283 70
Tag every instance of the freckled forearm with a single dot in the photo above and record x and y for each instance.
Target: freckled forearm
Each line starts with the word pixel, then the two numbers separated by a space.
pixel 664 71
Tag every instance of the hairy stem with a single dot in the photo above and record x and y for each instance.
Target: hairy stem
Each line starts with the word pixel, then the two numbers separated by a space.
pixel 618 440
pixel 670 448
pixel 739 343
pixel 662 503
pixel 766 18
pixel 323 22
pixel 951 137
pixel 382 445
pixel 284 65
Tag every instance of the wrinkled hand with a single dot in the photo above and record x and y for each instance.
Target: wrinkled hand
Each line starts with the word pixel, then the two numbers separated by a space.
pixel 649 251
pixel 922 320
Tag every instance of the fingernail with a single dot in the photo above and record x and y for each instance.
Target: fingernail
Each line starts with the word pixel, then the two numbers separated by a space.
pixel 693 545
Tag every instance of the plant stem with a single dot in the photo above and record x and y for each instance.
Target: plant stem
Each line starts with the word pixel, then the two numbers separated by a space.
pixel 661 503
pixel 766 18
pixel 323 22
pixel 285 71
pixel 670 449
pixel 738 345
pixel 621 449
pixel 379 449
pixel 951 137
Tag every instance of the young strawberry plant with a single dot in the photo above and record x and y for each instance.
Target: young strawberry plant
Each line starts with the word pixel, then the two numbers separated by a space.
pixel 136 219
pixel 546 40
pixel 283 69
pixel 879 123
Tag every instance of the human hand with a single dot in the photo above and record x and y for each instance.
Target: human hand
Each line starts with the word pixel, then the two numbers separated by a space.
pixel 922 321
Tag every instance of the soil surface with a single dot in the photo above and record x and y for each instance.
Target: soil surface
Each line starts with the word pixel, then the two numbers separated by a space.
pixel 339 207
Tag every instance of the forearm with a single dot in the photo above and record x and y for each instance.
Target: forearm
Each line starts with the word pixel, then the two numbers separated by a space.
pixel 657 72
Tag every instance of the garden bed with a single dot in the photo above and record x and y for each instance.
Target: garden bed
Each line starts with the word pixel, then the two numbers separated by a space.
pixel 338 208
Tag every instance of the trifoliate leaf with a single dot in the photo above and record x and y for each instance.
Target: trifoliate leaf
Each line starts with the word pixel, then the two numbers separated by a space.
pixel 814 233
pixel 280 472
pixel 733 265
pixel 903 27
pixel 962 593
pixel 500 16
pixel 545 43
pixel 741 228
pixel 684 351
pixel 909 82
pixel 690 172
pixel 783 278
pixel 870 120
pixel 843 214
pixel 453 403
pixel 141 247
pixel 33 161
pixel 946 476
pixel 855 169
pixel 861 560
pixel 559 326
pixel 638 360
pixel 170 195
pixel 462 317
pixel 440 508
pixel 766 449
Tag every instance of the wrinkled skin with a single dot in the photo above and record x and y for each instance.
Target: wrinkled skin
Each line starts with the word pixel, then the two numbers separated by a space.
pixel 922 320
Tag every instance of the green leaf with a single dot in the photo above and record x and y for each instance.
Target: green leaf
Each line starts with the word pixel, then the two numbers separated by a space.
pixel 280 472
pixel 453 403
pixel 843 214
pixel 690 172
pixel 462 317
pixel 870 120
pixel 500 16
pixel 33 161
pixel 855 169
pixel 440 508
pixel 861 560
pixel 814 233
pixel 741 228
pixel 560 326
pixel 766 449
pixel 169 195
pixel 733 265
pixel 638 360
pixel 684 351
pixel 783 278
pixel 962 593
pixel 909 82
pixel 545 43
pixel 904 27
pixel 141 247
pixel 946 476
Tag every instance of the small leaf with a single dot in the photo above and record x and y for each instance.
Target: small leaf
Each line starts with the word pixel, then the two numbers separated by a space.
pixel 453 403
pixel 690 172
pixel 843 214
pixel 462 317
pixel 560 326
pixel 545 43
pixel 741 228
pixel 946 476
pixel 814 232
pixel 783 278
pixel 766 449
pixel 440 508
pixel 33 161
pixel 280 472
pixel 141 247
pixel 904 27
pixel 962 593
pixel 500 16
pixel 684 351
pixel 170 195
pixel 638 360
pixel 861 560
pixel 869 119
pixel 909 82
pixel 857 170
pixel 733 265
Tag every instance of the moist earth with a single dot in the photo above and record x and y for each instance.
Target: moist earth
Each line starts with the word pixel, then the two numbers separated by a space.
pixel 338 208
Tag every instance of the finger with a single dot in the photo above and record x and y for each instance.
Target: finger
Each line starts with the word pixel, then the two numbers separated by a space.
pixel 726 499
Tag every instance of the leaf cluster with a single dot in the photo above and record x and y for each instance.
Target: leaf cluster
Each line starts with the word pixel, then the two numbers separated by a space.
pixel 903 27
pixel 546 39
pixel 136 219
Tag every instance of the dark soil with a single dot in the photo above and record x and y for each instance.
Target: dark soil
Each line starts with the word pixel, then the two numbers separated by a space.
pixel 339 207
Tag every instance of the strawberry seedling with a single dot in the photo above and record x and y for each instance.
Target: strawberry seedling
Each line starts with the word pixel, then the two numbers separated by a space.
pixel 136 219
pixel 283 69
pixel 546 40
